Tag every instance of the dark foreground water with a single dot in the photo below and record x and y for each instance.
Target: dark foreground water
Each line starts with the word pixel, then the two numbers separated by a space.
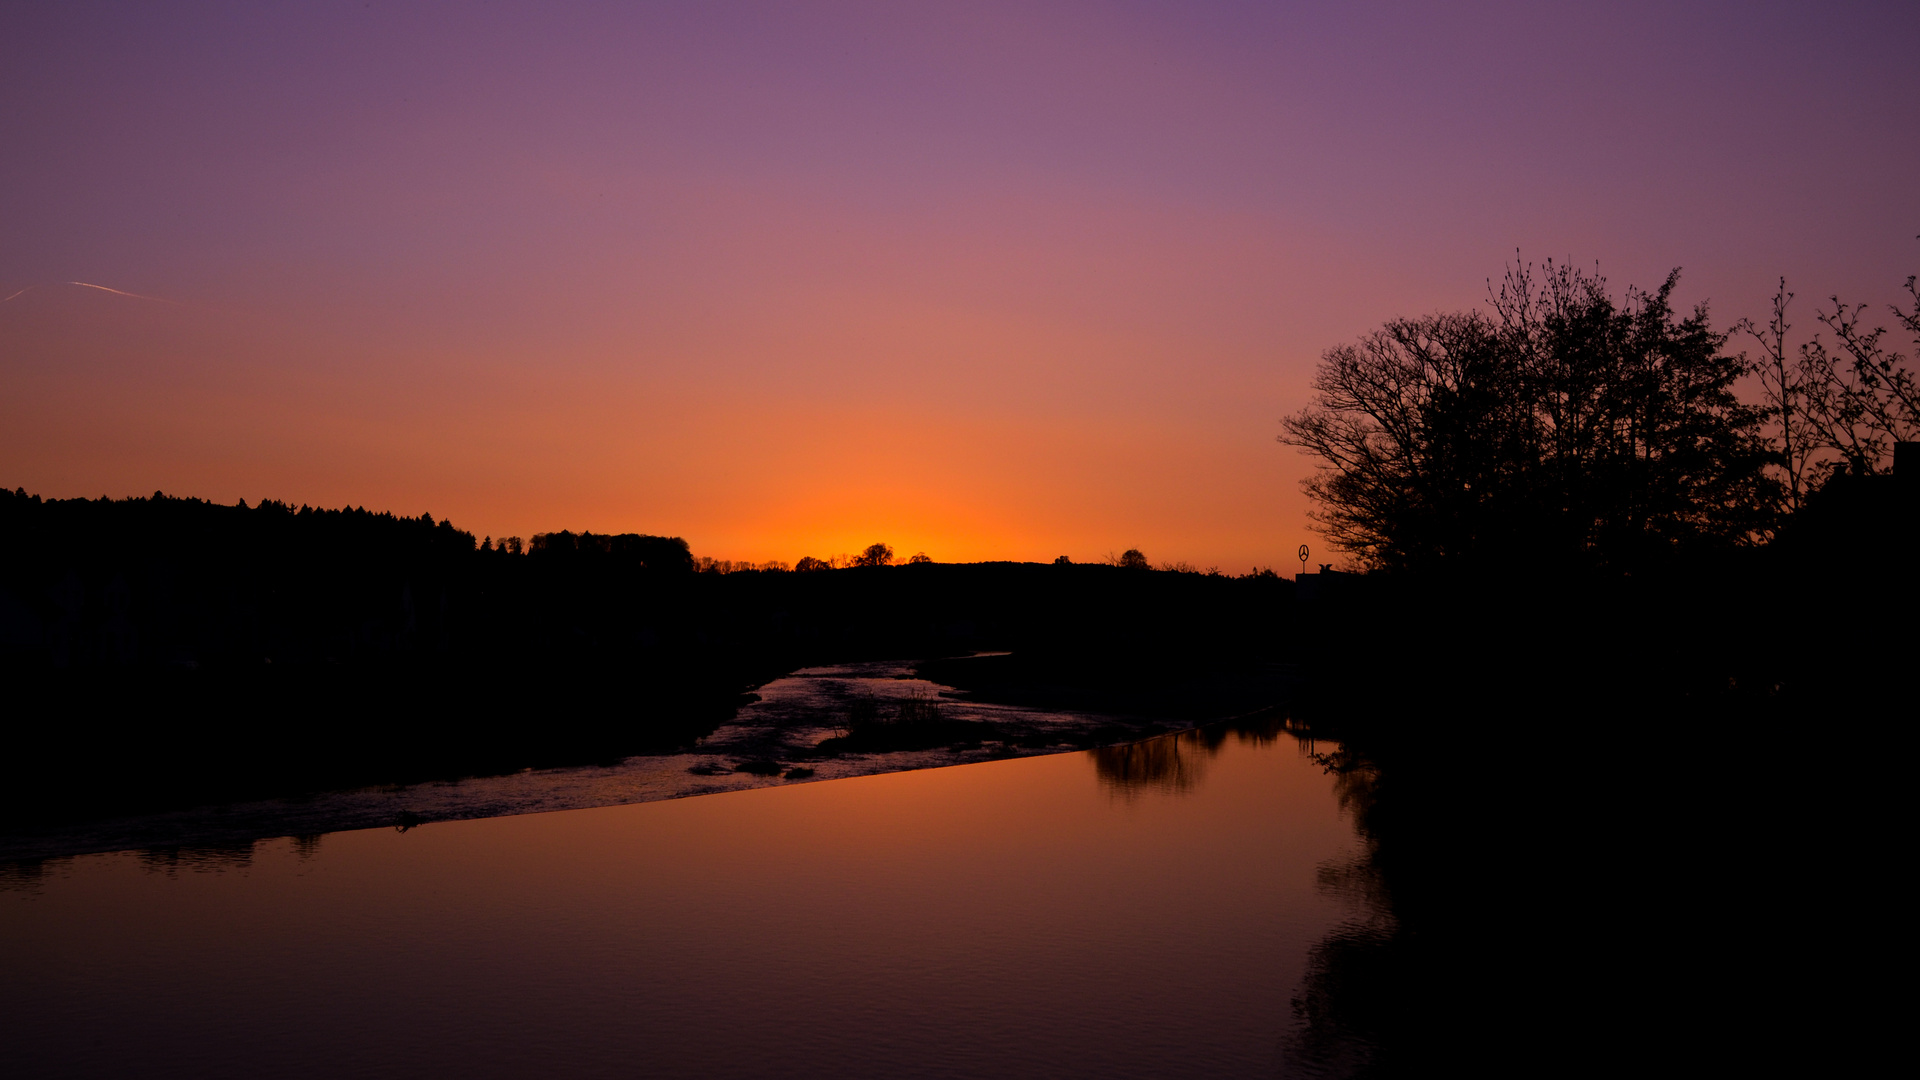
pixel 1139 911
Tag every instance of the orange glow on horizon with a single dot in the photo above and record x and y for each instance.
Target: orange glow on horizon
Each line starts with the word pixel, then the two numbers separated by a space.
pixel 1000 282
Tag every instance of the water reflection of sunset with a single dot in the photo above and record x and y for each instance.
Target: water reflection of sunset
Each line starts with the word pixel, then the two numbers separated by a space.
pixel 1002 919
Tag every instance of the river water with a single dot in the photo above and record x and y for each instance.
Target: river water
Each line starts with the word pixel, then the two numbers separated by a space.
pixel 1146 910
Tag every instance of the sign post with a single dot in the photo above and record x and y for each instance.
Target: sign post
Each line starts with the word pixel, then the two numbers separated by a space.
pixel 1303 559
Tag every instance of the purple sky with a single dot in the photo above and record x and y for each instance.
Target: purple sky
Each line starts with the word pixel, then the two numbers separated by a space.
pixel 785 279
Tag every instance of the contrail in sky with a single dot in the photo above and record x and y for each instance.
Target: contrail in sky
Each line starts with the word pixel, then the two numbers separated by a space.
pixel 116 292
pixel 16 294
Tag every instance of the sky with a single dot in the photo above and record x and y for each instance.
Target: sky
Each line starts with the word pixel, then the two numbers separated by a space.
pixel 988 281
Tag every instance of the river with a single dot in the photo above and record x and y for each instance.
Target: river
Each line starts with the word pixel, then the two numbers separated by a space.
pixel 1146 910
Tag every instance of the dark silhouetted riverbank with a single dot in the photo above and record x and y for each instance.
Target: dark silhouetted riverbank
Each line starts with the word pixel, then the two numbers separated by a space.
pixel 165 653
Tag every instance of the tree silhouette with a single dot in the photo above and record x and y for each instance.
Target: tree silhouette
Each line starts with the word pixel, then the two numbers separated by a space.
pixel 875 555
pixel 1838 408
pixel 1567 428
pixel 1782 386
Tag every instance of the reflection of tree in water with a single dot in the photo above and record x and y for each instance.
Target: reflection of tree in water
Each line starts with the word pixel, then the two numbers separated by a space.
pixel 206 859
pixel 1347 1014
pixel 27 875
pixel 1344 1011
pixel 1178 761
pixel 1519 910
pixel 1168 763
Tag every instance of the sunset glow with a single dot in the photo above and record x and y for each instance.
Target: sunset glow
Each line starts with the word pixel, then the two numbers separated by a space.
pixel 988 282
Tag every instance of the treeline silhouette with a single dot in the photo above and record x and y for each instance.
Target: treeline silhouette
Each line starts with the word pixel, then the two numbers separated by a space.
pixel 169 651
pixel 668 554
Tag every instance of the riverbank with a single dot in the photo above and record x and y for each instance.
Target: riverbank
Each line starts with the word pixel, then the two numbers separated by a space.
pixel 807 725
pixel 1613 870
